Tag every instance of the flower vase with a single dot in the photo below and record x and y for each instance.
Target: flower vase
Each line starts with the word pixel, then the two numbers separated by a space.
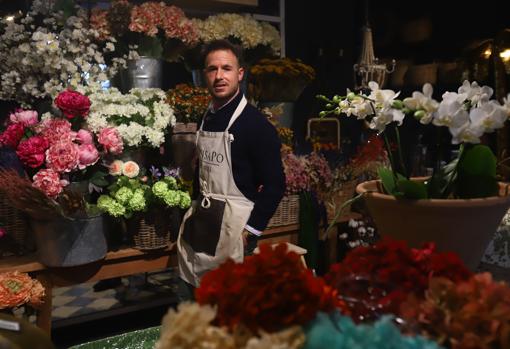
pixel 463 226
pixel 150 230
pixel 198 78
pixel 66 242
pixel 145 72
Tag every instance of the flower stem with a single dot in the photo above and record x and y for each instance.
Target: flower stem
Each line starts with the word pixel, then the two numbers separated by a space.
pixel 390 157
pixel 400 154
pixel 338 213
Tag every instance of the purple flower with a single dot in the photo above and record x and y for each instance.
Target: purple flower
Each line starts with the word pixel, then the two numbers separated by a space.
pixel 156 173
pixel 171 172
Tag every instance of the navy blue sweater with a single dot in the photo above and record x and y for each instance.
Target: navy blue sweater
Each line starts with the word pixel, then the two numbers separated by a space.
pixel 256 158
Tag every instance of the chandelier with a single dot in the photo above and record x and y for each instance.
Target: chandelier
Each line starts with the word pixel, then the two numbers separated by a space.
pixel 368 67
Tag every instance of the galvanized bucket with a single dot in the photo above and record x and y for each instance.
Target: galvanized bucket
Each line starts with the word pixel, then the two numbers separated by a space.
pixel 144 72
pixel 65 242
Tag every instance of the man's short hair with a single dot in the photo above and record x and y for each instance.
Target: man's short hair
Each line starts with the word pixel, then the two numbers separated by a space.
pixel 221 44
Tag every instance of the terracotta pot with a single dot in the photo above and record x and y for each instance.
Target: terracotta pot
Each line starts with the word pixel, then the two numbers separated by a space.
pixel 463 226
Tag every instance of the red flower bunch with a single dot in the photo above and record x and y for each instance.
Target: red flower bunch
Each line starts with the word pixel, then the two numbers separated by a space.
pixel 269 291
pixel 73 104
pixel 469 314
pixel 377 279
pixel 12 135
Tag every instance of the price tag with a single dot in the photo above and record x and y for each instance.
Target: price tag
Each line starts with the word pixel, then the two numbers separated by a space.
pixel 9 325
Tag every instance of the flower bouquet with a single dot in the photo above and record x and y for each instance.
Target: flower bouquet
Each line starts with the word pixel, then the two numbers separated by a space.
pixel 272 301
pixel 258 39
pixel 44 51
pixel 17 289
pixel 280 79
pixel 154 29
pixel 141 117
pixel 143 200
pixel 189 103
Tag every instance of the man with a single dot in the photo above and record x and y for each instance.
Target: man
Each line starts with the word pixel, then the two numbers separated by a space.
pixel 240 174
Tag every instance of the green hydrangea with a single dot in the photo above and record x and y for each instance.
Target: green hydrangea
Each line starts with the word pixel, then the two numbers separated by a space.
pixel 160 189
pixel 171 181
pixel 111 206
pixel 172 198
pixel 185 201
pixel 137 201
pixel 123 195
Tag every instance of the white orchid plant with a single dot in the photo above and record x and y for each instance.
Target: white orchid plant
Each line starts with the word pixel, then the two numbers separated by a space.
pixel 468 114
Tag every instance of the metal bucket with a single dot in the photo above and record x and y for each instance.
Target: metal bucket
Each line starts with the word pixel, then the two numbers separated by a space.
pixel 65 242
pixel 144 72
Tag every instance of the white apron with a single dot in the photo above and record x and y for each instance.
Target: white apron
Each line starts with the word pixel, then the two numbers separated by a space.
pixel 211 231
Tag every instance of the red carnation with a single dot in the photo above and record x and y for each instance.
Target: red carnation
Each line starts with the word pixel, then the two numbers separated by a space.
pixel 73 104
pixel 31 152
pixel 12 135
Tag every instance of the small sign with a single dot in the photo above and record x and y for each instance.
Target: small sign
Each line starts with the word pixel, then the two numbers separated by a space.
pixel 325 132
pixel 9 325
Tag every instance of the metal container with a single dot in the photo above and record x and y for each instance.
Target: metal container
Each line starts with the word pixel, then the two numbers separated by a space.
pixel 144 72
pixel 66 242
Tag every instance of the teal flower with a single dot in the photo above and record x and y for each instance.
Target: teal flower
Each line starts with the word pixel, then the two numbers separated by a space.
pixel 111 206
pixel 123 195
pixel 160 189
pixel 171 181
pixel 137 202
pixel 185 201
pixel 172 198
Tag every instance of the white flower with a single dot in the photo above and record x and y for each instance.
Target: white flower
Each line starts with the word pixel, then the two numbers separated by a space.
pixel 423 101
pixel 130 169
pixel 115 168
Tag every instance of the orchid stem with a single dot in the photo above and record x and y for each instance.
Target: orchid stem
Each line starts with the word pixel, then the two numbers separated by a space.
pixel 400 154
pixel 390 157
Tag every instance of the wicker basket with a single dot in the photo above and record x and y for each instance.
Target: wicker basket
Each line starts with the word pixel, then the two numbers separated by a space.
pixel 16 225
pixel 151 230
pixel 286 213
pixel 340 197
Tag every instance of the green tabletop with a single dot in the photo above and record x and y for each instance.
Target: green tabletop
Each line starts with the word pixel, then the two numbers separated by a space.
pixel 139 339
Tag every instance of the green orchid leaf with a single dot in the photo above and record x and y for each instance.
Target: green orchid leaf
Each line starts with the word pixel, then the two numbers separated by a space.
pixel 100 182
pixel 413 190
pixel 388 180
pixel 441 184
pixel 477 173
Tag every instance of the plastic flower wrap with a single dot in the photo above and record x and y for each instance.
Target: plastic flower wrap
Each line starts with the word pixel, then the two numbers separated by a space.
pixel 133 191
pixel 154 29
pixel 474 313
pixel 141 117
pixel 280 79
pixel 467 114
pixel 189 103
pixel 269 291
pixel 43 53
pixel 376 279
pixel 18 288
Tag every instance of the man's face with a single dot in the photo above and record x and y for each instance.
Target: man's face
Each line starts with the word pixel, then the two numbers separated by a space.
pixel 222 74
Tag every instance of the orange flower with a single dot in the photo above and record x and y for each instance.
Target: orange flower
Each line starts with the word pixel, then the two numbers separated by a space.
pixel 18 288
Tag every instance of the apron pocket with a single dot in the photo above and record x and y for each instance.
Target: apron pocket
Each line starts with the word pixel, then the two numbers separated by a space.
pixel 202 229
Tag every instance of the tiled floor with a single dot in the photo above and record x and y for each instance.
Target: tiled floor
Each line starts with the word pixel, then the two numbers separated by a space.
pixel 76 303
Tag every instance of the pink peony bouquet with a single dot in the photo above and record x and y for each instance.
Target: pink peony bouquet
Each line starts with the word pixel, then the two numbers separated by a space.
pixel 56 150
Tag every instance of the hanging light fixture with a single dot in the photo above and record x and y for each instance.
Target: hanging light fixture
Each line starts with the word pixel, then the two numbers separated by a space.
pixel 368 67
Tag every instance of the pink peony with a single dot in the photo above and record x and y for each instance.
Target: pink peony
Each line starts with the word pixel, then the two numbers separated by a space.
pixel 84 137
pixel 87 155
pixel 111 140
pixel 55 130
pixel 62 156
pixel 24 117
pixel 73 104
pixel 12 135
pixel 31 152
pixel 115 168
pixel 49 182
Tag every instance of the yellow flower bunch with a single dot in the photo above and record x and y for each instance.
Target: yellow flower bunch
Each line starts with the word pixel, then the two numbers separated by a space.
pixel 189 103
pixel 283 67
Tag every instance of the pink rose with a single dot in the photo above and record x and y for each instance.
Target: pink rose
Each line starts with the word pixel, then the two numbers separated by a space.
pixel 115 168
pixel 62 156
pixel 55 130
pixel 84 137
pixel 12 135
pixel 31 152
pixel 24 117
pixel 111 140
pixel 87 155
pixel 73 104
pixel 49 182
pixel 130 169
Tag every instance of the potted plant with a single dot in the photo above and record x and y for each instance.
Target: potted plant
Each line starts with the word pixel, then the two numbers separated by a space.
pixel 460 206
pixel 143 200
pixel 62 159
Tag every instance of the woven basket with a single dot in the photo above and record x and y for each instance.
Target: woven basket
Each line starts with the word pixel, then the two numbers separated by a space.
pixel 14 223
pixel 286 213
pixel 340 197
pixel 151 230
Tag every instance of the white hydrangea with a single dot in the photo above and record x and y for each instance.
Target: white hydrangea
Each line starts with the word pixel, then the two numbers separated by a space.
pixel 141 116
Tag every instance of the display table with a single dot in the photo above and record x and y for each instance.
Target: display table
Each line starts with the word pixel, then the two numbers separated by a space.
pixel 124 262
